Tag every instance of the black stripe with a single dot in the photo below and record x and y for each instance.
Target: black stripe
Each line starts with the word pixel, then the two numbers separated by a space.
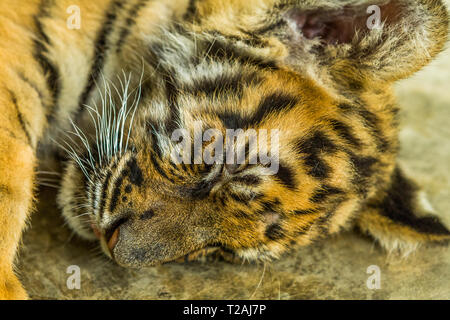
pixel 223 84
pixel 355 85
pixel 241 214
pixel 105 187
pixel 317 167
pixel 270 206
pixel 130 22
pixel 5 189
pixel 116 191
pixel 104 193
pixel 251 180
pixel 372 121
pixel 151 129
pixel 101 47
pixel 118 184
pixel 223 51
pixel 276 25
pixel 11 133
pixel 49 69
pixel 242 198
pixel 200 190
pixel 277 102
pixel 345 132
pixel 318 142
pixel 90 191
pixel 324 192
pixel 219 197
pixel 191 12
pixel 305 211
pixel 147 215
pixel 287 176
pixel 322 226
pixel 323 223
pixel 31 85
pixel 136 176
pixel 23 123
pixel 310 150
pixel 176 174
pixel 157 167
pixel 399 206
pixel 346 107
pixel 172 92
pixel 251 40
pixel 275 232
pixel 363 165
pixel 232 120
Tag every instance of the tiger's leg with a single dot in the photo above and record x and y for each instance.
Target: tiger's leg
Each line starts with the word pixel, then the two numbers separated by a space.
pixel 17 162
pixel 400 219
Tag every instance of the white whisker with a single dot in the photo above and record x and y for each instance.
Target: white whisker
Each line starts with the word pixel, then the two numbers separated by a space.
pixel 44 184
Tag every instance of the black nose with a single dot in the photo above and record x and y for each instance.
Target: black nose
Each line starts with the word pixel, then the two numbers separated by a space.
pixel 113 231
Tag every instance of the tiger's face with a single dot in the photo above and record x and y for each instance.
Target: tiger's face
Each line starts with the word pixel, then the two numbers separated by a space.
pixel 302 72
pixel 158 199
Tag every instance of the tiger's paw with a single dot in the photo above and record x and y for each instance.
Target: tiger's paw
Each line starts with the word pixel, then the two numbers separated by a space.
pixel 401 220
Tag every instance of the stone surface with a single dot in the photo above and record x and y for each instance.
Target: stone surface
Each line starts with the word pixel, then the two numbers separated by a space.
pixel 332 269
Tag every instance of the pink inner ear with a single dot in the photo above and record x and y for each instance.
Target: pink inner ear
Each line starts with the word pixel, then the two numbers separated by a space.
pixel 336 27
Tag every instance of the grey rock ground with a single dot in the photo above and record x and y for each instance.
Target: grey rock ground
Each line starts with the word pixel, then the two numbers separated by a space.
pixel 332 269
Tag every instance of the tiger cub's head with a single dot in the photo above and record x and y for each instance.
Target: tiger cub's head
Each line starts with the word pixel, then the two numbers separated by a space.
pixel 147 179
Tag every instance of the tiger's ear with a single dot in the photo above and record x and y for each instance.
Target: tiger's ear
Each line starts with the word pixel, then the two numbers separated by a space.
pixel 401 219
pixel 368 41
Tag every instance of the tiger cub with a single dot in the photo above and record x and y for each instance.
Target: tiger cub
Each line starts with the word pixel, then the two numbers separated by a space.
pixel 186 128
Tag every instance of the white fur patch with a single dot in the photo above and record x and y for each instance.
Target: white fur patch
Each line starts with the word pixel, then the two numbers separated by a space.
pixel 424 203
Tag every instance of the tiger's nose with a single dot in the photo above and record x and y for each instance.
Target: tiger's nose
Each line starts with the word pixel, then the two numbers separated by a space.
pixel 113 232
pixel 114 239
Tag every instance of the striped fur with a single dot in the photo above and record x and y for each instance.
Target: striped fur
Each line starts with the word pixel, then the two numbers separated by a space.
pixel 105 100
